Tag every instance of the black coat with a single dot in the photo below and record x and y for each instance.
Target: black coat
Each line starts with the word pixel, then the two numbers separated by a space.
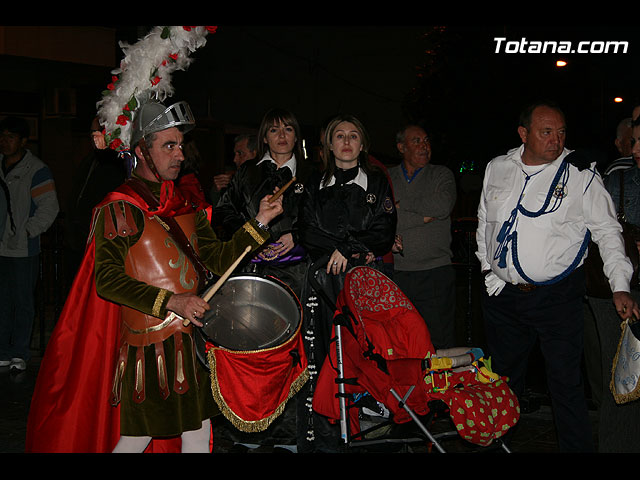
pixel 348 218
pixel 240 201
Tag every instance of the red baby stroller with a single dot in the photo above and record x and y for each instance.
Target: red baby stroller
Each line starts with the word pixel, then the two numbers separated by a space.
pixel 384 353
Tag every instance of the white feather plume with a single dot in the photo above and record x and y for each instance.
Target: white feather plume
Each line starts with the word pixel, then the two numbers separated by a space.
pixel 146 72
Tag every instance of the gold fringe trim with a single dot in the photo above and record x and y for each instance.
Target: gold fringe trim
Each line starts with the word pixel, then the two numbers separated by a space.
pixel 621 398
pixel 250 426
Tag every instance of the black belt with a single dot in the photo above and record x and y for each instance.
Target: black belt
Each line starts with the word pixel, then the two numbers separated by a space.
pixel 526 287
pixel 529 287
pixel 523 287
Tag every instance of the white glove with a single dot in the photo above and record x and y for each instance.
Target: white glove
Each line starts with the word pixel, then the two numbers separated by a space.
pixel 493 283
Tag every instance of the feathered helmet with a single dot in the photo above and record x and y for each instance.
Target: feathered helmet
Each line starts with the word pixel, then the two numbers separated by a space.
pixel 132 107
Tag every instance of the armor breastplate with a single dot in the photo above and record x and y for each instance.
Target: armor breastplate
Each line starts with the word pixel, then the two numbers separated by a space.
pixel 157 260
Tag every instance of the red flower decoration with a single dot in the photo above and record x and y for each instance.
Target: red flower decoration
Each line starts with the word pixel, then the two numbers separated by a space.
pixel 173 56
pixel 209 29
pixel 155 80
pixel 122 120
pixel 115 144
pixel 112 85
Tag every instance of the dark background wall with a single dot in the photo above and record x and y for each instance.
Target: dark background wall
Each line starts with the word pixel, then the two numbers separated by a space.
pixel 450 78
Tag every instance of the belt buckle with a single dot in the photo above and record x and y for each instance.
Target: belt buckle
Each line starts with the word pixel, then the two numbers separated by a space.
pixel 526 287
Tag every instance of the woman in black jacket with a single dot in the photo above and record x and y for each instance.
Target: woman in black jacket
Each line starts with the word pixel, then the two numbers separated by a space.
pixel 280 157
pixel 349 214
pixel 349 219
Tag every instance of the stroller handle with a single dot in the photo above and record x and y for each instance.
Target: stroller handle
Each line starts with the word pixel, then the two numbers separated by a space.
pixel 313 269
pixel 322 260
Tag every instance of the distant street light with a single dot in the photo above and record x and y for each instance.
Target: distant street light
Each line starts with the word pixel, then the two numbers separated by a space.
pixel 561 63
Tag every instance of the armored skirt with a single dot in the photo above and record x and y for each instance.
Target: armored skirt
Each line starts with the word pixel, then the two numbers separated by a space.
pixel 156 416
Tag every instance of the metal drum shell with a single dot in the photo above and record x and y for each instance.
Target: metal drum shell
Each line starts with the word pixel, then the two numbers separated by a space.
pixel 250 313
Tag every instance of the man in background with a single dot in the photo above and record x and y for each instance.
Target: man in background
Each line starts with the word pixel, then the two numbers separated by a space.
pixel 425 195
pixel 244 148
pixel 34 207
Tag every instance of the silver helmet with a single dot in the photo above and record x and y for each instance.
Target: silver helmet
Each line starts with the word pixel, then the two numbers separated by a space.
pixel 153 117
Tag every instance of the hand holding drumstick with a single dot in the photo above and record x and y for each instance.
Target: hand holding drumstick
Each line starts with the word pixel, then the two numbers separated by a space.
pixel 191 307
pixel 271 205
pixel 201 305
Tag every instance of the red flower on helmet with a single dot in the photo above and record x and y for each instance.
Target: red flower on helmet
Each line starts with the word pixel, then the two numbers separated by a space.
pixel 211 29
pixel 115 143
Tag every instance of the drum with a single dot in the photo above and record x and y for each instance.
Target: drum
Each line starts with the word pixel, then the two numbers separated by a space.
pixel 249 313
pixel 251 344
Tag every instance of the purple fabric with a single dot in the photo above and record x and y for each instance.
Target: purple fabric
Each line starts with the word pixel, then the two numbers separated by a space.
pixel 296 254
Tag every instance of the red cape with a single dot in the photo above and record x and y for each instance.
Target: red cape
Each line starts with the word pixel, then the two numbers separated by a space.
pixel 70 410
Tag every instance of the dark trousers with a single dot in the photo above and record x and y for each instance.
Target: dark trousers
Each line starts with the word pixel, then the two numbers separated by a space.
pixel 514 319
pixel 433 293
pixel 18 277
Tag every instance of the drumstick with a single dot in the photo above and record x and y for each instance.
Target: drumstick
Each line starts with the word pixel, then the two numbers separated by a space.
pixel 225 275
pixel 281 191
pixel 211 292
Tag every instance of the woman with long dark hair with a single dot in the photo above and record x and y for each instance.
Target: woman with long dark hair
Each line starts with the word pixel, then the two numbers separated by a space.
pixel 280 158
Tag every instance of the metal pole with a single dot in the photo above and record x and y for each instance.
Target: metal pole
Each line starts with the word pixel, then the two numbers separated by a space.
pixel 344 431
pixel 415 418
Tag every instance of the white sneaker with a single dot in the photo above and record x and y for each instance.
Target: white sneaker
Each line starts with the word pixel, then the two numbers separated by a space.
pixel 5 363
pixel 18 364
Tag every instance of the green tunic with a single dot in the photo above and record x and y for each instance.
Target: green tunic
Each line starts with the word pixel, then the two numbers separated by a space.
pixel 155 416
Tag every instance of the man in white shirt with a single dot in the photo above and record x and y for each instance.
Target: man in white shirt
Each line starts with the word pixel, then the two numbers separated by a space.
pixel 536 215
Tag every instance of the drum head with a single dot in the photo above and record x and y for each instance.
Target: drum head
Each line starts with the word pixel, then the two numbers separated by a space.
pixel 251 312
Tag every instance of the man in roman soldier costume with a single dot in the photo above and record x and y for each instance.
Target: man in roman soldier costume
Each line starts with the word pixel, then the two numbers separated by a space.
pixel 126 329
